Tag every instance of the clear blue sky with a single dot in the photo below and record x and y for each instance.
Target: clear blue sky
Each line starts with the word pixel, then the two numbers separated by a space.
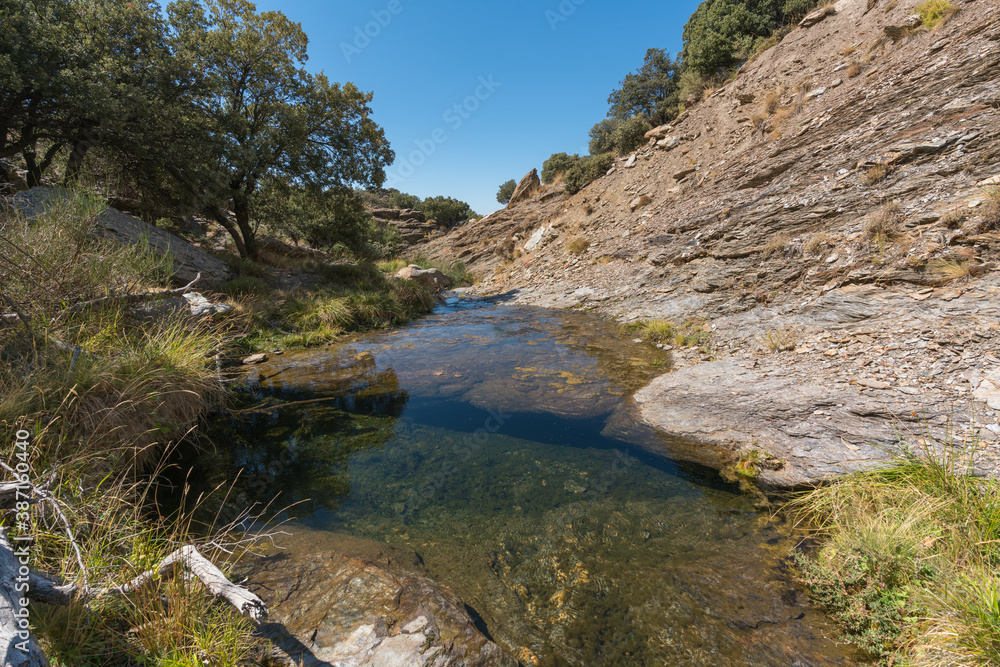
pixel 542 70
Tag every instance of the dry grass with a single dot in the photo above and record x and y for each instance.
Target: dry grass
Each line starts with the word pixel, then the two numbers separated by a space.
pixel 578 245
pixel 776 245
pixel 951 269
pixel 877 173
pixel 884 225
pixel 853 70
pixel 816 243
pixel 773 100
pixel 991 209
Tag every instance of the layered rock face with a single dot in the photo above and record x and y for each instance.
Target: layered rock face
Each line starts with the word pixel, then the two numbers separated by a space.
pixel 830 215
pixel 412 226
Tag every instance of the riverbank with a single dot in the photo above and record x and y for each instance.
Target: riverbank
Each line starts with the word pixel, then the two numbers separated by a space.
pixel 105 367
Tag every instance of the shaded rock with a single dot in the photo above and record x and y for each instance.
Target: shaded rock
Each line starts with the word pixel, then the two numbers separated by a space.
pixel 684 173
pixel 433 278
pixel 411 214
pixel 386 213
pixel 188 260
pixel 527 187
pixel 332 609
pixel 745 98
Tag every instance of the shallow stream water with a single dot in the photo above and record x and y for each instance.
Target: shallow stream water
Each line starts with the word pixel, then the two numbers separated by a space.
pixel 488 439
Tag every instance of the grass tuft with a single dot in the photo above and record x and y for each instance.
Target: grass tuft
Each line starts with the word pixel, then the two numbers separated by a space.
pixel 935 12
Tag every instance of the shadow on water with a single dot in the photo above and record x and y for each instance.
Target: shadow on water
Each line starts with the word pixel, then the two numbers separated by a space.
pixel 478 438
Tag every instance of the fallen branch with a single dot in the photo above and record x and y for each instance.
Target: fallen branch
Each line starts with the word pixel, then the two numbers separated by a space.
pixel 18 645
pixel 128 298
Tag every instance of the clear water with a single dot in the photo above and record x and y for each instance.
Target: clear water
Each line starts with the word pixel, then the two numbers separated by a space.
pixel 484 438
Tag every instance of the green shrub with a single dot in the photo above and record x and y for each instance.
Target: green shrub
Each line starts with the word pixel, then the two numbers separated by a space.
pixel 506 191
pixel 446 210
pixel 558 163
pixel 629 134
pixel 600 136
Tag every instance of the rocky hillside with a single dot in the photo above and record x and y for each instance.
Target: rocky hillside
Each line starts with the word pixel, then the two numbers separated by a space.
pixel 829 215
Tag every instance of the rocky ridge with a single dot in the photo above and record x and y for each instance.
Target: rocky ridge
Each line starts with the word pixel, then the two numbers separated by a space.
pixel 827 215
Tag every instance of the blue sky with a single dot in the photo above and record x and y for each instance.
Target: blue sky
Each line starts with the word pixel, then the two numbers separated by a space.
pixel 471 94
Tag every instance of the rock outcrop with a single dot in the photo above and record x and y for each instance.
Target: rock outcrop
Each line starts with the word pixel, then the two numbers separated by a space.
pixel 528 186
pixel 411 225
pixel 188 260
pixel 834 196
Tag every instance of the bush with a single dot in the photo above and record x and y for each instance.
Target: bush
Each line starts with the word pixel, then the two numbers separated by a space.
pixel 447 211
pixel 629 134
pixel 558 163
pixel 600 136
pixel 506 191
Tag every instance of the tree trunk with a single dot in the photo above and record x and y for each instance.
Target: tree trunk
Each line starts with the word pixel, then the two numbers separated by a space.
pixel 74 163
pixel 241 207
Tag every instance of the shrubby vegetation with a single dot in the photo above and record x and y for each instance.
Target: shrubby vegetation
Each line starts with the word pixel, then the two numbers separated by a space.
pixel 447 211
pixel 506 191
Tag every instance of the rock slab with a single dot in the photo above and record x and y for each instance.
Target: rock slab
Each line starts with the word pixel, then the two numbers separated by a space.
pixel 188 260
pixel 333 609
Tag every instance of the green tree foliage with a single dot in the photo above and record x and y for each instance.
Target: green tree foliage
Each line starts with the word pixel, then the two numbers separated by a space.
pixel 651 91
pixel 558 163
pixel 721 34
pixel 506 191
pixel 447 211
pixel 600 136
pixel 321 218
pixel 588 169
pixel 399 199
pixel 267 116
pixel 630 134
pixel 75 75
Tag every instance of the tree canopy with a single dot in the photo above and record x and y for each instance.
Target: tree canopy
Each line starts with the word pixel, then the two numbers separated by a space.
pixel 651 91
pixel 506 191
pixel 446 210
pixel 203 106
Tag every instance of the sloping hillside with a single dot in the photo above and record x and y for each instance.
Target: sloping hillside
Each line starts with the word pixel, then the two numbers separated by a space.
pixel 836 198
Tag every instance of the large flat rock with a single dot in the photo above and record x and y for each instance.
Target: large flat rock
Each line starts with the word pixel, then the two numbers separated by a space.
pixel 818 430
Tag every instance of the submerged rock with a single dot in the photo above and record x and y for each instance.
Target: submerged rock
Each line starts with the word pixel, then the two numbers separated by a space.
pixel 332 608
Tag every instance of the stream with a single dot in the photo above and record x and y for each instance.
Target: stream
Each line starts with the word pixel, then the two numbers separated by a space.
pixel 491 440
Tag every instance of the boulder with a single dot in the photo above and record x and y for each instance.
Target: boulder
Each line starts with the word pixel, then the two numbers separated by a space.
pixel 639 202
pixel 188 260
pixel 433 278
pixel 527 187
pixel 334 609
pixel 657 132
